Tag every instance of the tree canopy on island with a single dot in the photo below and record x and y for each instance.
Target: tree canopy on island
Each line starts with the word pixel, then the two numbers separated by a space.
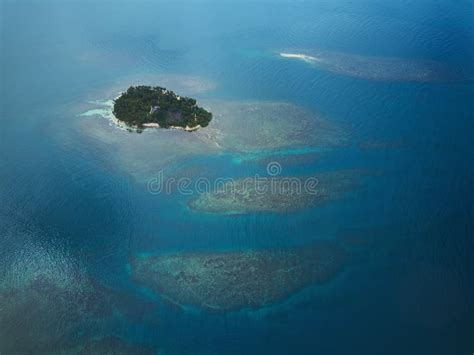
pixel 145 104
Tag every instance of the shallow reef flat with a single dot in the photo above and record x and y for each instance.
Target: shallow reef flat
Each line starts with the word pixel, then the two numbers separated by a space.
pixel 378 68
pixel 276 194
pixel 254 126
pixel 226 281
pixel 140 155
pixel 253 129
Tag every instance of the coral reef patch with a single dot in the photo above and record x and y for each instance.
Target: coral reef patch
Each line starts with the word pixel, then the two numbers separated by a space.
pixel 225 281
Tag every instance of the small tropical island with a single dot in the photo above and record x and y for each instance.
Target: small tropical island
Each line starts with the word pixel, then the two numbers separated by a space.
pixel 146 107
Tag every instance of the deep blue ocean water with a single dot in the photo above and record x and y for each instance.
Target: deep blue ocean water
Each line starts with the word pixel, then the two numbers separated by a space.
pixel 67 202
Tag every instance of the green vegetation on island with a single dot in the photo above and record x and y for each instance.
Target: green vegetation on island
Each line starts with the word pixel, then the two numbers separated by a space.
pixel 140 106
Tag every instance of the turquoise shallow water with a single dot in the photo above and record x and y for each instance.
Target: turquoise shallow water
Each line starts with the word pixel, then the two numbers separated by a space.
pixel 75 208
